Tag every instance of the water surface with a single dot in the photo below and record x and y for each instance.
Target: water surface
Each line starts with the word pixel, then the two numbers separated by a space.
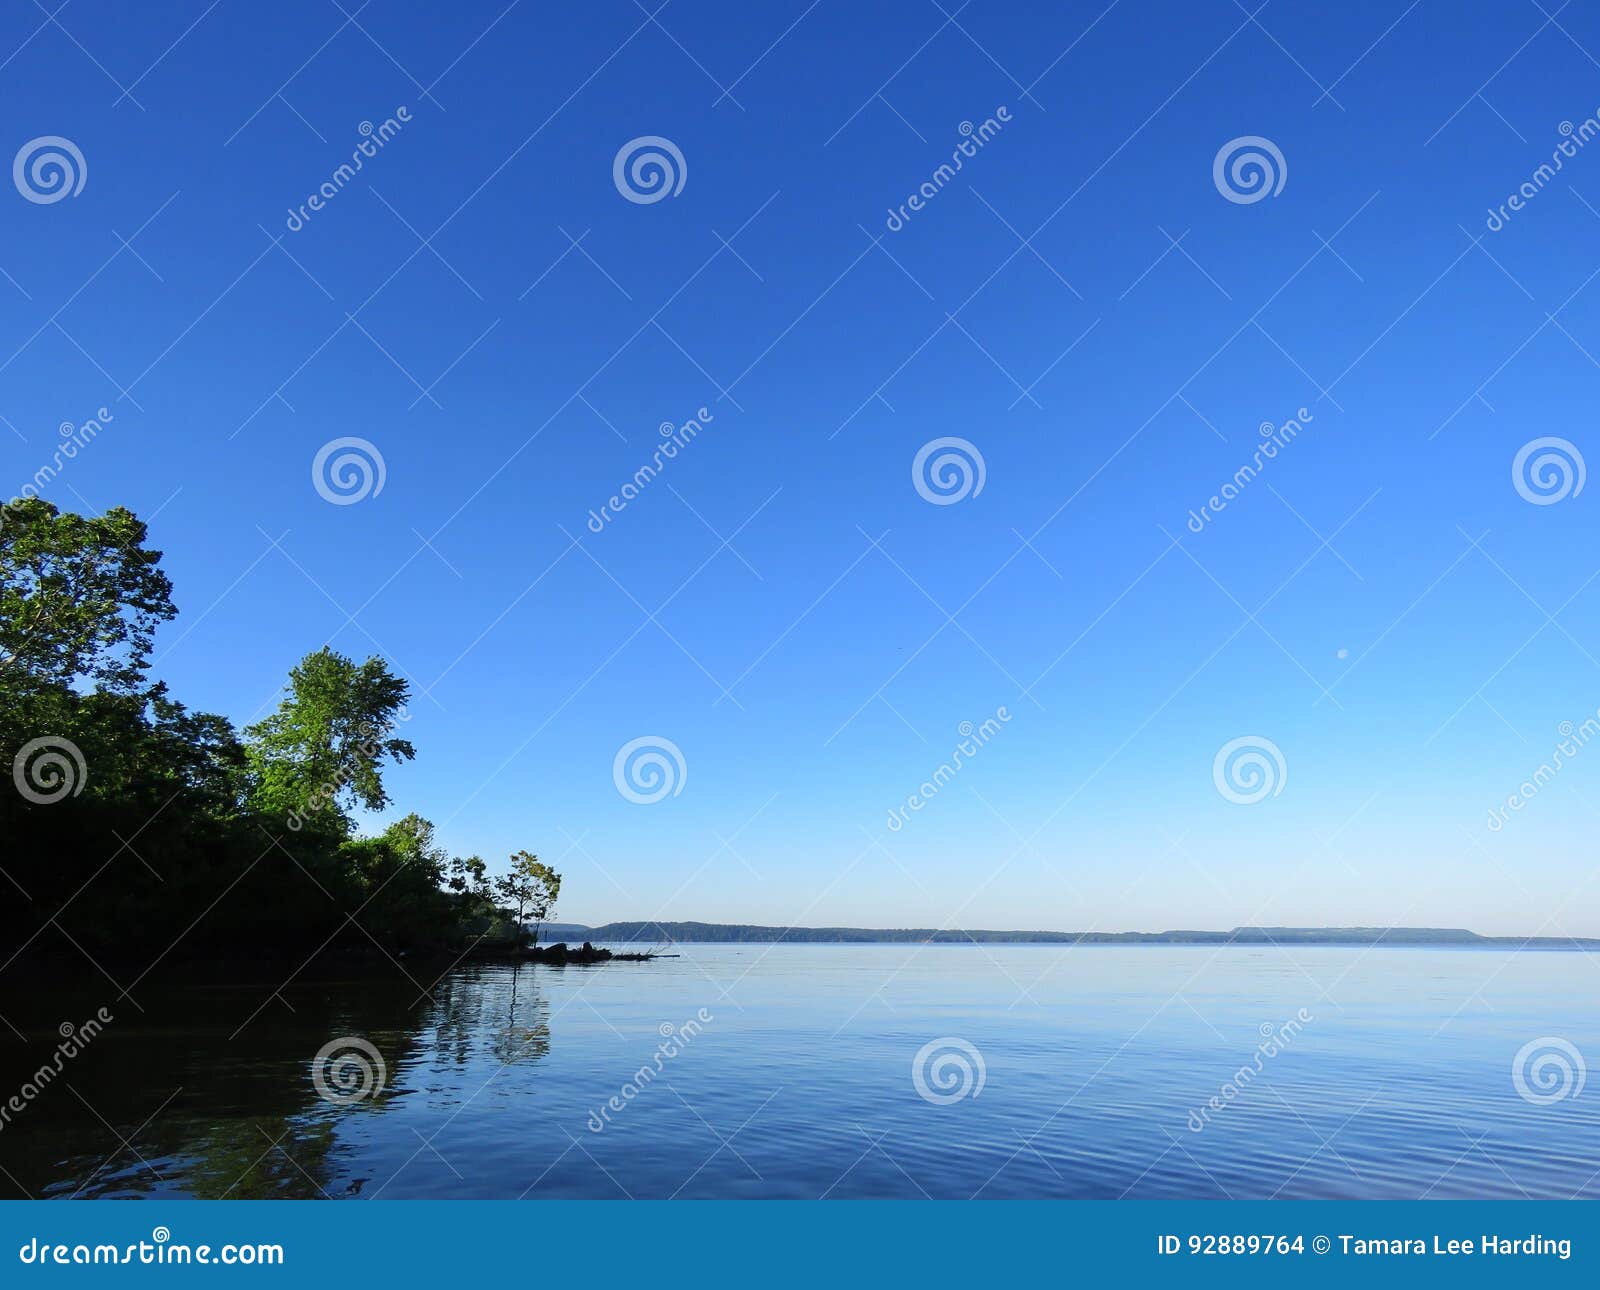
pixel 789 1072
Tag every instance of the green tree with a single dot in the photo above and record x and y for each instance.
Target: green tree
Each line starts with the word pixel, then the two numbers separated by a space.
pixel 398 874
pixel 326 745
pixel 200 750
pixel 168 840
pixel 79 597
pixel 469 877
pixel 414 847
pixel 529 890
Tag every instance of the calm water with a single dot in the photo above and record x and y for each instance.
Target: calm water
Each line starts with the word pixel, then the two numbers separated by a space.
pixel 1096 1063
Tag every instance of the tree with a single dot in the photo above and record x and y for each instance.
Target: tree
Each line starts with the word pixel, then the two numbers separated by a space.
pixel 529 890
pixel 200 750
pixel 469 877
pixel 168 832
pixel 412 839
pixel 326 745
pixel 398 877
pixel 79 596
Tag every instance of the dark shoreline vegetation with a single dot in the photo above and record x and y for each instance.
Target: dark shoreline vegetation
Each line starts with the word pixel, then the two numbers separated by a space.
pixel 141 834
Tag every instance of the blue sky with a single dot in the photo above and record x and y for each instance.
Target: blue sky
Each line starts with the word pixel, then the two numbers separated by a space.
pixel 1381 603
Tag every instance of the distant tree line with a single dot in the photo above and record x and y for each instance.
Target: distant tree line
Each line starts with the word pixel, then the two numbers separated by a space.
pixel 135 827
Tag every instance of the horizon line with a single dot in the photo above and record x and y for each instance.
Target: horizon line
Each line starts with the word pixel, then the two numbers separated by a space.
pixel 1247 933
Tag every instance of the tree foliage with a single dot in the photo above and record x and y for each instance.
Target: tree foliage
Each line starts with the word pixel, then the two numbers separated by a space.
pixel 326 744
pixel 79 597
pixel 529 890
pixel 183 836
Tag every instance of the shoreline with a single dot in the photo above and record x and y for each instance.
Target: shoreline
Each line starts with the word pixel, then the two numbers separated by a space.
pixel 686 933
pixel 263 965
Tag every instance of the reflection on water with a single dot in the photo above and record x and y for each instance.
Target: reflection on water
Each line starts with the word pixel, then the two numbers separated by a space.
pixel 805 1071
pixel 212 1091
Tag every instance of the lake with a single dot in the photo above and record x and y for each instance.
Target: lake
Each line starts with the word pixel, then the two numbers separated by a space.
pixel 828 1071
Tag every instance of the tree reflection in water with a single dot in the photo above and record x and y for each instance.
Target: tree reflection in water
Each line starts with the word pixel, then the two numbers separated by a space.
pixel 209 1091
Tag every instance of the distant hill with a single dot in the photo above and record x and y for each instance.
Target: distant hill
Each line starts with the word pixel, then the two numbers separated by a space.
pixel 737 933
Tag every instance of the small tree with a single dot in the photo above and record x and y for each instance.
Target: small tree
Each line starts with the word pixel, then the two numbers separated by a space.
pixel 529 890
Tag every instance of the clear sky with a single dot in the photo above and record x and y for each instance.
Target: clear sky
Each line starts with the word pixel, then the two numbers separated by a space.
pixel 1081 303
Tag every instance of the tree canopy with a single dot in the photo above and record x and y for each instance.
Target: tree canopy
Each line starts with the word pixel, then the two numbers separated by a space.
pixel 169 832
pixel 529 890
pixel 326 744
pixel 79 597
